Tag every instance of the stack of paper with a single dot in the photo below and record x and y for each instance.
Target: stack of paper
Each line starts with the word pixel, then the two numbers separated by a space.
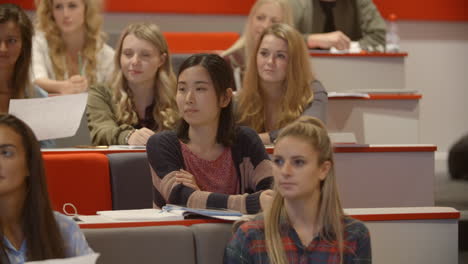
pixel 169 213
pixel 142 215
pixel 348 94
pixel 87 259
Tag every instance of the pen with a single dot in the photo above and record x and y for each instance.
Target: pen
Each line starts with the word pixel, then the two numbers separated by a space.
pixel 80 63
pixel 91 147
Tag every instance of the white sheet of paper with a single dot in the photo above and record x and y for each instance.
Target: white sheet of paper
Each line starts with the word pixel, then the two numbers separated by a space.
pixel 354 47
pixel 348 94
pixel 142 215
pixel 87 259
pixel 51 117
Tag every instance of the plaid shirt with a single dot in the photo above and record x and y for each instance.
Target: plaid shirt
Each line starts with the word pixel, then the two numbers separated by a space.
pixel 248 245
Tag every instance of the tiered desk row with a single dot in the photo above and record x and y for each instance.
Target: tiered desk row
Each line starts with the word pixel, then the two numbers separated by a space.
pixel 381 178
pixel 389 116
pixel 398 235
pixel 368 176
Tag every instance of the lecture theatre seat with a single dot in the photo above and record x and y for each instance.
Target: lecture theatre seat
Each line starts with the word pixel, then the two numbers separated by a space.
pixel 78 178
pixel 152 244
pixel 210 241
pixel 131 181
pixel 194 42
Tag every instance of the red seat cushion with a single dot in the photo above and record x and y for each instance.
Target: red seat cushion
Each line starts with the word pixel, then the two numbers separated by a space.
pixel 79 178
pixel 194 42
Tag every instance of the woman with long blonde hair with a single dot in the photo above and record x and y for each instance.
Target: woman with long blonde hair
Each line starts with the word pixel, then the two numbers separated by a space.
pixel 279 85
pixel 305 222
pixel 263 14
pixel 141 97
pixel 69 49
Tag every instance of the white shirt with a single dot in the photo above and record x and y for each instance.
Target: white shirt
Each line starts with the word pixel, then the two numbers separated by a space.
pixel 42 63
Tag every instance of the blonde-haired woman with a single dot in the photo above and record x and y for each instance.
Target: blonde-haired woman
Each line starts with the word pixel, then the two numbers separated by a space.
pixel 141 98
pixel 263 14
pixel 279 85
pixel 69 51
pixel 305 222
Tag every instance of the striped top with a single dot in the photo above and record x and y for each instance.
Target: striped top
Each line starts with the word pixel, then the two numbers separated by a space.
pixel 253 171
pixel 217 175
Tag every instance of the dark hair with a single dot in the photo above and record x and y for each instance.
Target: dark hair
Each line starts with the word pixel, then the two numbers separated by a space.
pixel 221 75
pixel 43 238
pixel 458 159
pixel 20 79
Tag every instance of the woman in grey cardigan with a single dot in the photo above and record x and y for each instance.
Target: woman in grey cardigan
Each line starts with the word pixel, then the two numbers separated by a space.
pixel 279 85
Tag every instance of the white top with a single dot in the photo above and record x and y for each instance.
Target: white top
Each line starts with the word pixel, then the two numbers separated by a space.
pixel 42 63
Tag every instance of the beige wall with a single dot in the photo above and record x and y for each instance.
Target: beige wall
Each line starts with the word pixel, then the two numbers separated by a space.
pixel 437 65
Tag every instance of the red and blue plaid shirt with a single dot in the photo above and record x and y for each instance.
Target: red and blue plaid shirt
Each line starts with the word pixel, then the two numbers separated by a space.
pixel 248 245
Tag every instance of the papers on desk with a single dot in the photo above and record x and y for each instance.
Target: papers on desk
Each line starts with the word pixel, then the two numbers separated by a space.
pixel 51 117
pixel 87 259
pixel 120 147
pixel 364 93
pixel 168 213
pixel 142 215
pixel 384 91
pixel 354 47
pixel 348 94
pixel 190 213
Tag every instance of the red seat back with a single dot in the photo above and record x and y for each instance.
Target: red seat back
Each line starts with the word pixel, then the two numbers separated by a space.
pixel 78 178
pixel 194 42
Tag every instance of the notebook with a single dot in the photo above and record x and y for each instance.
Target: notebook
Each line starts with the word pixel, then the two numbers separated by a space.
pixel 169 213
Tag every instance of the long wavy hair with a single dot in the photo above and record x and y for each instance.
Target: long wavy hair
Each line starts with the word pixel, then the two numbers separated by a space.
pixel 296 89
pixel 247 42
pixel 41 231
pixel 330 212
pixel 20 81
pixel 165 109
pixel 94 39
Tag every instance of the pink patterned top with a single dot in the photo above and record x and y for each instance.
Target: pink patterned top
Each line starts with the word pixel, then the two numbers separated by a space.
pixel 217 175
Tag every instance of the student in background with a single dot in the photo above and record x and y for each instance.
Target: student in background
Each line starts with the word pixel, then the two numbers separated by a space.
pixel 15 55
pixel 279 85
pixel 16 34
pixel 335 23
pixel 69 51
pixel 305 222
pixel 458 159
pixel 263 14
pixel 29 229
pixel 141 98
pixel 208 162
